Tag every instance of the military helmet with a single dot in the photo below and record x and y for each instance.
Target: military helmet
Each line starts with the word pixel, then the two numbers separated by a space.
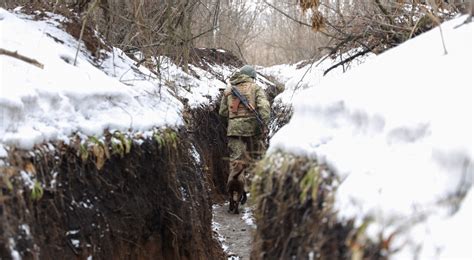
pixel 249 71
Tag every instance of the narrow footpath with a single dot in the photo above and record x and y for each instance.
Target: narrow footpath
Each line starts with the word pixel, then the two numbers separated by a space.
pixel 234 232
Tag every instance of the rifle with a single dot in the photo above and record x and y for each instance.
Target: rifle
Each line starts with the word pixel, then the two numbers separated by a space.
pixel 247 104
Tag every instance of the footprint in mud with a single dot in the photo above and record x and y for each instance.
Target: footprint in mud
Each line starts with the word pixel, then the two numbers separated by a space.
pixel 234 232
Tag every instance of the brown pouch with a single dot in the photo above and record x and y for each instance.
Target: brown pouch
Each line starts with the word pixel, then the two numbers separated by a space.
pixel 234 106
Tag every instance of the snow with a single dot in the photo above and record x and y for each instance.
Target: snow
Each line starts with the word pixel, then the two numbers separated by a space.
pixel 40 105
pixel 26 229
pixel 216 227
pixel 398 132
pixel 15 255
pixel 51 103
pixel 184 193
pixel 248 218
pixel 195 154
pixel 442 236
pixel 297 77
pixel 72 232
pixel 199 90
pixel 86 204
pixel 76 243
pixel 27 179
pixel 3 152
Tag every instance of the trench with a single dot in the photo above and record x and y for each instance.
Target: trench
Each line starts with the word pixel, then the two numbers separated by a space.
pixel 122 195
pixel 234 232
pixel 163 197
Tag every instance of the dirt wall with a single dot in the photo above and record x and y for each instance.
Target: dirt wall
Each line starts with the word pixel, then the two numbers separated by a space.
pixel 150 203
pixel 209 134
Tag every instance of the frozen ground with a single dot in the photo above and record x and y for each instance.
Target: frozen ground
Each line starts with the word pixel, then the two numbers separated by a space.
pixel 234 232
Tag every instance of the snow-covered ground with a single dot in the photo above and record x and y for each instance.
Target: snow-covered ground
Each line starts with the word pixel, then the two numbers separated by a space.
pixel 234 232
pixel 398 131
pixel 297 77
pixel 52 103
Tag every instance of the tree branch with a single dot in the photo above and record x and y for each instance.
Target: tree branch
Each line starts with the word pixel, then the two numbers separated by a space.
pixel 384 11
pixel 347 60
pixel 240 52
pixel 287 15
pixel 183 41
pixel 89 11
pixel 21 57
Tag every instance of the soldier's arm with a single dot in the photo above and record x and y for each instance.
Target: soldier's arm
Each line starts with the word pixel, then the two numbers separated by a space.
pixel 263 106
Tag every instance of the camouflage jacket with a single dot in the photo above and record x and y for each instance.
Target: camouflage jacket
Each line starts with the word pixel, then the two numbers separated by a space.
pixel 242 121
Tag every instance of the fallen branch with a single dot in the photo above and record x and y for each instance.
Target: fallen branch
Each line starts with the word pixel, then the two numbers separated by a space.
pixel 347 60
pixel 21 57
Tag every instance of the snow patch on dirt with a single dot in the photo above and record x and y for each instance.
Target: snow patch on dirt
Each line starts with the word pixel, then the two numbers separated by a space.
pixel 234 232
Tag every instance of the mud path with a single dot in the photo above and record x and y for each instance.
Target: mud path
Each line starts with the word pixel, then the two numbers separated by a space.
pixel 234 232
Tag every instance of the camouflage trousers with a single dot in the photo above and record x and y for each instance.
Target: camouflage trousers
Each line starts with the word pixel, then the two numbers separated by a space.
pixel 244 151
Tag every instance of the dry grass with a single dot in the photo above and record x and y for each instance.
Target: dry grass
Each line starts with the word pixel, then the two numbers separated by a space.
pixel 295 215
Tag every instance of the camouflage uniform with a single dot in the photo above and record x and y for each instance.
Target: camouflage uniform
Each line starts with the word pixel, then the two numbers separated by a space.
pixel 243 131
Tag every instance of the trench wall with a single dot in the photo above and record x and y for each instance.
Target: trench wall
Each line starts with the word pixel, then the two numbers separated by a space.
pixel 152 202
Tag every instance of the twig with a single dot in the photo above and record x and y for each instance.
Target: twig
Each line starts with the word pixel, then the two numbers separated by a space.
pixel 438 23
pixel 21 57
pixel 347 60
pixel 183 41
pixel 442 40
pixel 140 62
pixel 83 28
pixel 287 15
pixel 468 20
pixel 199 35
pixel 356 38
pixel 74 250
pixel 414 29
pixel 306 72
pixel 240 52
pixel 384 11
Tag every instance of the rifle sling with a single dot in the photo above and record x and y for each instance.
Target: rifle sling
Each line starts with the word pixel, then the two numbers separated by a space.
pixel 236 102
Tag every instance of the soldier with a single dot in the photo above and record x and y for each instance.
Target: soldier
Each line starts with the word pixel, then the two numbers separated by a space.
pixel 245 133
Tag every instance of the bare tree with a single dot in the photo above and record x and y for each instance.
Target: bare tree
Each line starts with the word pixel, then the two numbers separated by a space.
pixel 261 32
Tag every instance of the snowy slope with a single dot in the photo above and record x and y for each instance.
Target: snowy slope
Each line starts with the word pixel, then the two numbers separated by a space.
pixel 398 131
pixel 297 77
pixel 39 105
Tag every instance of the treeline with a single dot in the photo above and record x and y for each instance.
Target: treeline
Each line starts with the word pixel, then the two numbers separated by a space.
pixel 264 32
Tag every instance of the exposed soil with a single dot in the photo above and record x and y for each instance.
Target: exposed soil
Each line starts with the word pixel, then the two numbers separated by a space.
pixel 208 131
pixel 203 57
pixel 93 43
pixel 152 203
pixel 73 26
